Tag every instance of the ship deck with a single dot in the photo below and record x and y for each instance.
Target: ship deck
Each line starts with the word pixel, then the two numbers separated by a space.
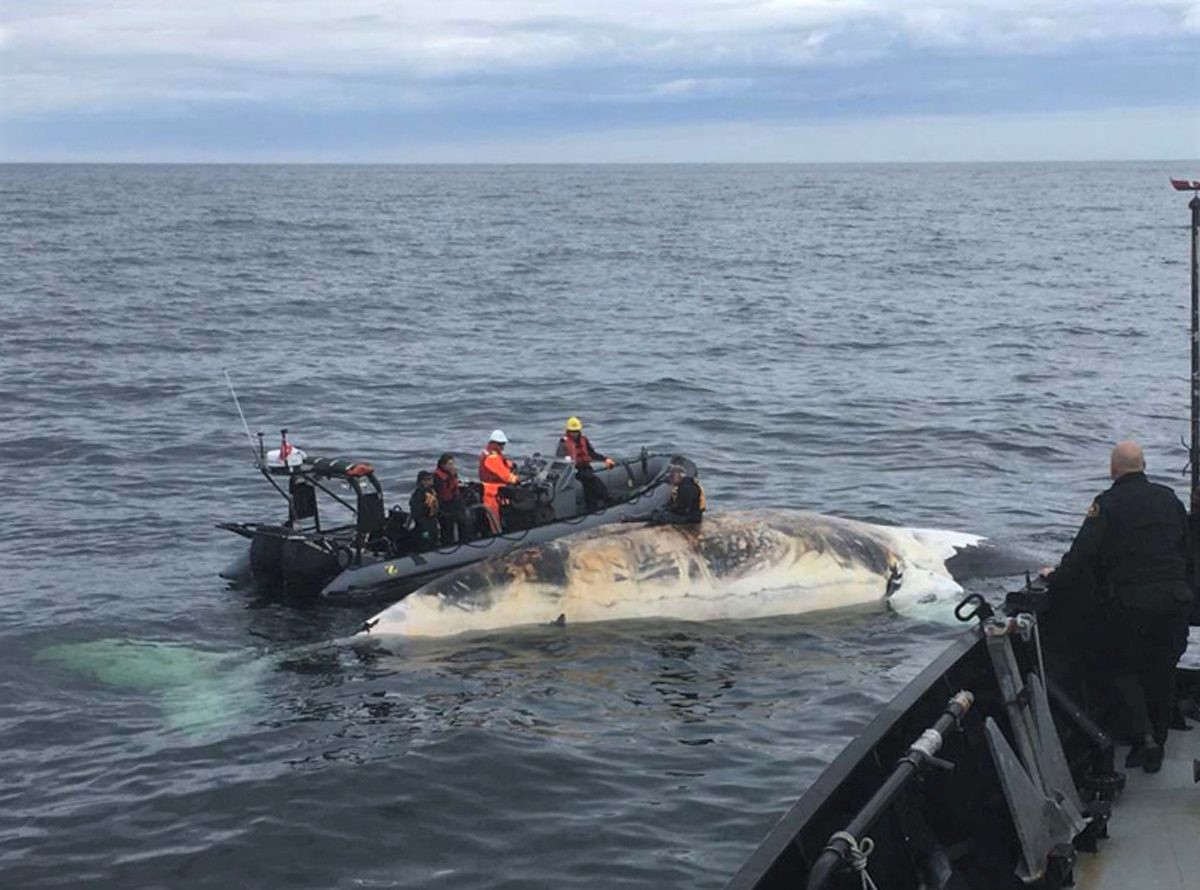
pixel 1154 835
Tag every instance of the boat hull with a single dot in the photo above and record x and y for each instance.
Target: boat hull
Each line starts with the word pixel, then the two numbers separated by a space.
pixel 950 828
pixel 787 854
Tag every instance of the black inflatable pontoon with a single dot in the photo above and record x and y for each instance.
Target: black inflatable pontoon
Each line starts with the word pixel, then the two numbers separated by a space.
pixel 377 556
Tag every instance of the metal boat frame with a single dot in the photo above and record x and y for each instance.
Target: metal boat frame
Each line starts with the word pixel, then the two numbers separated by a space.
pixel 980 773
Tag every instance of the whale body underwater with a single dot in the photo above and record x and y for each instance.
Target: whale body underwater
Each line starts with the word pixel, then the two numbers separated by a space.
pixel 732 566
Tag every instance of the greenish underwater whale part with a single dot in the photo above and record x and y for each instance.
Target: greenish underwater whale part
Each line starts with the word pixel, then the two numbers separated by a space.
pixel 196 689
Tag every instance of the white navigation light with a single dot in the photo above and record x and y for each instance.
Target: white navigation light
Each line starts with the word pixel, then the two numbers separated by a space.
pixel 293 459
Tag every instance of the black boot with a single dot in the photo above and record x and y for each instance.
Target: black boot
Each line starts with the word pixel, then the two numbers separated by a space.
pixel 1178 722
pixel 1137 754
pixel 1152 758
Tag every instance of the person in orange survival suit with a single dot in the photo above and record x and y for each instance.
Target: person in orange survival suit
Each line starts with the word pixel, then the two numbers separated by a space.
pixel 495 471
pixel 575 445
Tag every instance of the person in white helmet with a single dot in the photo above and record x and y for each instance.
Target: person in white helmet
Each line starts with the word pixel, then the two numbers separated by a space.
pixel 495 471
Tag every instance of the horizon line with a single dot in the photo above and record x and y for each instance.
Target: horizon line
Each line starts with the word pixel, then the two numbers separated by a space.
pixel 669 163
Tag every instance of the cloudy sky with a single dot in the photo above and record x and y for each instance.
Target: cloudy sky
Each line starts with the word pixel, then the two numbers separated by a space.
pixel 599 80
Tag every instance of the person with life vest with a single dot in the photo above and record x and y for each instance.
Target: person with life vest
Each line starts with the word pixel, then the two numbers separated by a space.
pixel 575 445
pixel 424 508
pixel 495 471
pixel 687 502
pixel 452 510
pixel 685 505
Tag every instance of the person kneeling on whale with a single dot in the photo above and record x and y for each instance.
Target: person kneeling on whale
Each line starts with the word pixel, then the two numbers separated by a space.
pixel 1132 557
pixel 424 508
pixel 575 445
pixel 686 504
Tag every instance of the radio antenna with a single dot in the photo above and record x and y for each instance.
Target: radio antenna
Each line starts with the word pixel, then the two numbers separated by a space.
pixel 1186 185
pixel 245 425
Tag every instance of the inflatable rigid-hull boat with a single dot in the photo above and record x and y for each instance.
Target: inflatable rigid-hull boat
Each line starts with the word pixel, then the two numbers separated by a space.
pixel 378 556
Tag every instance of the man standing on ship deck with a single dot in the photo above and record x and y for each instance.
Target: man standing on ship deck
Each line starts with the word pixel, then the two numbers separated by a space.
pixel 1132 552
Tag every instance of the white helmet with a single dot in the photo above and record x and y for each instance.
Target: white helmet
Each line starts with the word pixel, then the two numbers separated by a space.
pixel 498 436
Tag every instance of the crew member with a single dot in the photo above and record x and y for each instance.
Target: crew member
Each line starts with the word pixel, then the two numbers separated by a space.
pixel 575 445
pixel 1194 529
pixel 1132 554
pixel 685 505
pixel 452 512
pixel 495 471
pixel 687 502
pixel 424 508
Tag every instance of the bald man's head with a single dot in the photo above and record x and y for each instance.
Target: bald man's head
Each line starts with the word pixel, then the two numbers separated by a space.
pixel 1126 458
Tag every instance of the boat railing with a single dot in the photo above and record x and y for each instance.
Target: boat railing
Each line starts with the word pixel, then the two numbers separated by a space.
pixel 851 847
pixel 1049 817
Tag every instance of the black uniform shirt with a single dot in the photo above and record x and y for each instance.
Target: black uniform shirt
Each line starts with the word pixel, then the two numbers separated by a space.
pixel 1132 547
pixel 687 500
pixel 424 505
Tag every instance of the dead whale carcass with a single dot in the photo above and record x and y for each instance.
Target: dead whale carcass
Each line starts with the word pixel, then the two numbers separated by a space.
pixel 733 566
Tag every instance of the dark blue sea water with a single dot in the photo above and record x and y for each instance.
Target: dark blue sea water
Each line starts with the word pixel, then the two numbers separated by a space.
pixel 949 346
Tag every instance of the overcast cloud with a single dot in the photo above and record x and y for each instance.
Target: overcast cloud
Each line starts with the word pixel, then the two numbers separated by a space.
pixel 501 80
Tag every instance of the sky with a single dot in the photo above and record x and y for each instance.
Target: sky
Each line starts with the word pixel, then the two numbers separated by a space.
pixel 513 81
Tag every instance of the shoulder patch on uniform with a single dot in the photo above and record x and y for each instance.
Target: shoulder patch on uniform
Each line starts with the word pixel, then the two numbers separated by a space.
pixel 1094 509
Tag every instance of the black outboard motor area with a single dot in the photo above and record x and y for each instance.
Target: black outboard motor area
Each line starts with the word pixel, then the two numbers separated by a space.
pixel 299 555
pixel 266 555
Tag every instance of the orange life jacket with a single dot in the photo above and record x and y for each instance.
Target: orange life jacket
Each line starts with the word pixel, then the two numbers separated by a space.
pixel 445 485
pixel 579 450
pixel 495 470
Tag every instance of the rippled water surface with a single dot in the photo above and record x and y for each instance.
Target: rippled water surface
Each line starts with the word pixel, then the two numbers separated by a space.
pixel 949 346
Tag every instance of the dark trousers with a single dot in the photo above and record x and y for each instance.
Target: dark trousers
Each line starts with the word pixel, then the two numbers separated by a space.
pixel 595 495
pixel 665 516
pixel 1148 646
pixel 426 533
pixel 453 516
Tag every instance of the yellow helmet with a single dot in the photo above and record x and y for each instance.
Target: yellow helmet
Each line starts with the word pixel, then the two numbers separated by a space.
pixel 574 425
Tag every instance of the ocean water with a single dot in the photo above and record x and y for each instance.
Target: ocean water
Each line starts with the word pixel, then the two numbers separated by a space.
pixel 951 346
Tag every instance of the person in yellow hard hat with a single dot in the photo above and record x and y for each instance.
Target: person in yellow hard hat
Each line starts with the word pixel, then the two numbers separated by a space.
pixel 575 445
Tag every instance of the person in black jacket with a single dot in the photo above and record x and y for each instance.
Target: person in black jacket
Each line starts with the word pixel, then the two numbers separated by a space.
pixel 423 504
pixel 1132 554
pixel 685 505
pixel 1194 528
